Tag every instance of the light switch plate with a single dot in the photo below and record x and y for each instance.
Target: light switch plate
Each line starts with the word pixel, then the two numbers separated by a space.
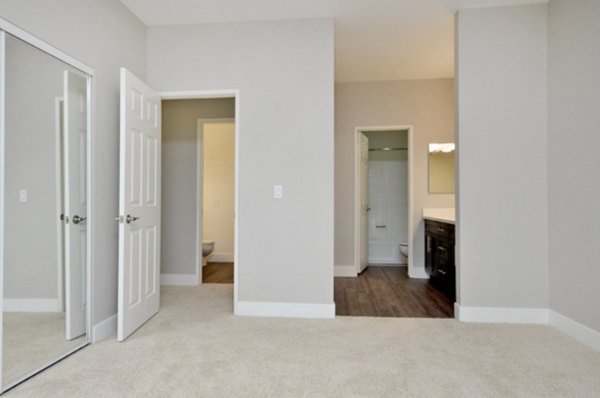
pixel 278 191
pixel 23 196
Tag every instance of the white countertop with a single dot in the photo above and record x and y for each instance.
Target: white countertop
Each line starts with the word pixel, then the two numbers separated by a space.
pixel 446 215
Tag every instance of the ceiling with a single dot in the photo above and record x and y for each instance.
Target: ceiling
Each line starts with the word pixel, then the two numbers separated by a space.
pixel 375 40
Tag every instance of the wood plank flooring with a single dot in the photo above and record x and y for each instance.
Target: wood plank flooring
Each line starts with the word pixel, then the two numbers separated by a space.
pixel 387 291
pixel 217 273
pixel 384 291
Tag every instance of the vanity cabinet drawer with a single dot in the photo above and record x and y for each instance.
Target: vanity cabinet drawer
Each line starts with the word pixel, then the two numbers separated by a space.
pixel 439 256
pixel 439 229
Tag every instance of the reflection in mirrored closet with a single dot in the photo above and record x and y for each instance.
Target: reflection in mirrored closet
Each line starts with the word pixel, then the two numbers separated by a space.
pixel 45 210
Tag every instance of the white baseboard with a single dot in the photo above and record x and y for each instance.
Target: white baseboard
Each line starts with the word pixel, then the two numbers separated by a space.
pixel 179 279
pixel 344 270
pixel 285 310
pixel 584 334
pixel 500 315
pixel 31 305
pixel 384 261
pixel 417 273
pixel 221 258
pixel 104 329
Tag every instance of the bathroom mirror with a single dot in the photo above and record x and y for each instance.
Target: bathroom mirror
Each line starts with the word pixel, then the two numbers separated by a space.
pixel 44 190
pixel 441 167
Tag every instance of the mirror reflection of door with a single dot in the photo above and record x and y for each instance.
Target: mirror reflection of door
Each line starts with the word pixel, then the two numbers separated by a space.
pixel 44 188
pixel 364 202
pixel 75 201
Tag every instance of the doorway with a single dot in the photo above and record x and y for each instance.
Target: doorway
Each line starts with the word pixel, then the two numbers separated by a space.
pixel 185 120
pixel 392 147
pixel 216 176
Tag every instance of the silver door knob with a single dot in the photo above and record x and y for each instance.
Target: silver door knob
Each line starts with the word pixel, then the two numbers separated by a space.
pixel 76 219
pixel 130 219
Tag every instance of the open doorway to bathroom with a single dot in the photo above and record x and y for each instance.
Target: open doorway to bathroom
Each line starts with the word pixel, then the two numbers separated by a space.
pixel 199 183
pixel 386 189
pixel 384 282
pixel 216 159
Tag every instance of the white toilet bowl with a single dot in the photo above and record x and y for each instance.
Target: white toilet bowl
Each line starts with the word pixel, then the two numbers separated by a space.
pixel 404 249
pixel 207 248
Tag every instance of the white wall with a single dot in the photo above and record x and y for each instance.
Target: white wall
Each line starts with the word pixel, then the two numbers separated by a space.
pixel 502 248
pixel 106 36
pixel 428 106
pixel 179 181
pixel 573 159
pixel 284 73
pixel 218 179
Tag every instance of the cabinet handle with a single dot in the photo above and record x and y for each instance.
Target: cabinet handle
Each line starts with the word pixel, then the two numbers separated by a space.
pixel 441 271
pixel 442 249
pixel 441 229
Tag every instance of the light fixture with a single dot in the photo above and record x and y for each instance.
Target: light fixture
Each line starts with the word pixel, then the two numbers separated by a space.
pixel 445 148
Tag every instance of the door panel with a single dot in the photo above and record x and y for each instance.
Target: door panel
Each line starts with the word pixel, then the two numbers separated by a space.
pixel 139 204
pixel 364 201
pixel 75 201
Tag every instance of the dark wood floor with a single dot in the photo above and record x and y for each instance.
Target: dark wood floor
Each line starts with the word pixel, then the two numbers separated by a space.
pixel 387 291
pixel 217 273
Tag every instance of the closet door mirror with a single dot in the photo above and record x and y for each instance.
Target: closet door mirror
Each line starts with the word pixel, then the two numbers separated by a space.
pixel 45 210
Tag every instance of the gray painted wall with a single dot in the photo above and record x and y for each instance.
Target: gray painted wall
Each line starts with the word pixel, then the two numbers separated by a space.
pixel 428 106
pixel 573 161
pixel 106 36
pixel 502 122
pixel 284 71
pixel 179 180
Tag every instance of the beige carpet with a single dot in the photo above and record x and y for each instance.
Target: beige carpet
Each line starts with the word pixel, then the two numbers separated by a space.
pixel 31 340
pixel 195 348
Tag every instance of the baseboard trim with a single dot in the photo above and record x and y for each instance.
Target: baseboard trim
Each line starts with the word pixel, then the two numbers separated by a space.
pixel 285 310
pixel 501 315
pixel 221 258
pixel 417 273
pixel 31 305
pixel 104 329
pixel 344 270
pixel 179 279
pixel 578 331
pixel 384 261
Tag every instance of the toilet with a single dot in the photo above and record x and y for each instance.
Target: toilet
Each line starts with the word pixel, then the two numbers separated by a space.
pixel 207 248
pixel 404 249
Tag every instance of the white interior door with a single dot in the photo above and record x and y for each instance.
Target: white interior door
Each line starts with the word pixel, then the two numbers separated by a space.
pixel 364 202
pixel 75 201
pixel 139 205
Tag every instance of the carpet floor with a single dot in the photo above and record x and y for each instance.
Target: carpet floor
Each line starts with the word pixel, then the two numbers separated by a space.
pixel 30 340
pixel 195 347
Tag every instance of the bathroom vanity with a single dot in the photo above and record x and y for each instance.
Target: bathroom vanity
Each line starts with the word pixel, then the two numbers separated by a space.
pixel 439 250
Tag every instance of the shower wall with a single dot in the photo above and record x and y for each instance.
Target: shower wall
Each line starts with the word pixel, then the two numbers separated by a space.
pixel 388 196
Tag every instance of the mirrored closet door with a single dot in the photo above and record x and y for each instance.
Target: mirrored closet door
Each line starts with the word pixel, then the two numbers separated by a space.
pixel 44 197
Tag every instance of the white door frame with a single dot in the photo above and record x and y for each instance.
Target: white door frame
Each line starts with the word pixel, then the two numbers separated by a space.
pixel 357 201
pixel 207 94
pixel 200 187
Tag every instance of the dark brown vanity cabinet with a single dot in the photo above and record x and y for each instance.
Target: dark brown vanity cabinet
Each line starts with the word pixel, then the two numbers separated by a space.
pixel 439 256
